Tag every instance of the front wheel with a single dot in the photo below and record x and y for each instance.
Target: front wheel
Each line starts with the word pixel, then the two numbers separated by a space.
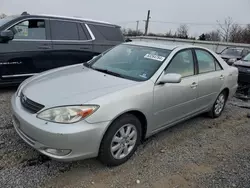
pixel 120 141
pixel 219 105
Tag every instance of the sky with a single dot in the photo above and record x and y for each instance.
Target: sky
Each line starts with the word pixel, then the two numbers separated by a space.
pixel 201 15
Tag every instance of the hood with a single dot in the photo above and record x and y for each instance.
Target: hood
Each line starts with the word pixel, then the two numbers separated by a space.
pixel 72 85
pixel 242 63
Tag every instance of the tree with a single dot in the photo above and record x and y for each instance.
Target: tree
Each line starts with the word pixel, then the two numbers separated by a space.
pixel 182 31
pixel 246 34
pixel 202 37
pixel 235 34
pixel 131 32
pixel 225 28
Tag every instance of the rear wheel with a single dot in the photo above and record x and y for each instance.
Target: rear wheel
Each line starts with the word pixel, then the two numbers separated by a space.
pixel 219 105
pixel 120 141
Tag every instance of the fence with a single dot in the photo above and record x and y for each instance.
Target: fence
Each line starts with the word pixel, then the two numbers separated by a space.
pixel 215 46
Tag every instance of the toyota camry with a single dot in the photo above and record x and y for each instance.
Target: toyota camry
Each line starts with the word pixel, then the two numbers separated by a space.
pixel 105 107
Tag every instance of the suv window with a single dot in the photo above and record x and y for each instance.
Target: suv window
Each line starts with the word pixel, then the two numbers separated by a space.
pixel 182 63
pixel 245 52
pixel 206 61
pixel 29 29
pixel 108 32
pixel 64 30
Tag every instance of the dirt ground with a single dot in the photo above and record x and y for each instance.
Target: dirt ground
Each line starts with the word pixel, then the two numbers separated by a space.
pixel 200 152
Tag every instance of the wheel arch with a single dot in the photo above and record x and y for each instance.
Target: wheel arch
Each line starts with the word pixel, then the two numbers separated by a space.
pixel 138 114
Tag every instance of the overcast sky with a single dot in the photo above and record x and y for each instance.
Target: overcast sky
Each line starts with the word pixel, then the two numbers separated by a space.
pixel 126 12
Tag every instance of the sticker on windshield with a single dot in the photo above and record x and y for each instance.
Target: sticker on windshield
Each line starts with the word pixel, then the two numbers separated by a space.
pixel 154 57
pixel 144 75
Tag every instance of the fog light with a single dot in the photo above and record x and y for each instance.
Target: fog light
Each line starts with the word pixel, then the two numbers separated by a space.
pixel 58 152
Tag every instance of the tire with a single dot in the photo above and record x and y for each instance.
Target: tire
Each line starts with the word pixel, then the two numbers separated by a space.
pixel 126 146
pixel 219 105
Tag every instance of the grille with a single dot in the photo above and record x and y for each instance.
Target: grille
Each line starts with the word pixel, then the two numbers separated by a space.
pixel 30 105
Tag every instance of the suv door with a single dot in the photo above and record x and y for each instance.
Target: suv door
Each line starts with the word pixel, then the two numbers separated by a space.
pixel 211 77
pixel 28 53
pixel 173 102
pixel 71 43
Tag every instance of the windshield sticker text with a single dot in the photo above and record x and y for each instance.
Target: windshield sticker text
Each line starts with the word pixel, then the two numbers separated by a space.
pixel 154 57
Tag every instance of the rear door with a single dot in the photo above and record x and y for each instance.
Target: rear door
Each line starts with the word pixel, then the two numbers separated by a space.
pixel 211 77
pixel 29 52
pixel 71 43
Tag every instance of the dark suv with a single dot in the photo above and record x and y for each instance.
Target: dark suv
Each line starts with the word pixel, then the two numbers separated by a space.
pixel 30 44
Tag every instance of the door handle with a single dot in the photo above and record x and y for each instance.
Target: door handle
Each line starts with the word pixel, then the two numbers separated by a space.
pixel 44 47
pixel 194 85
pixel 222 77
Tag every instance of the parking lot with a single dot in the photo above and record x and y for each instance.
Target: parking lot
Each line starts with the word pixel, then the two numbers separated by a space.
pixel 201 152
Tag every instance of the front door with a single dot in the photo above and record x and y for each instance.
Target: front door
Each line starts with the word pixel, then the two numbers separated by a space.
pixel 28 53
pixel 173 102
pixel 211 78
pixel 71 43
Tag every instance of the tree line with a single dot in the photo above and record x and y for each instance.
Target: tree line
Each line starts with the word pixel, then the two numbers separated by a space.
pixel 228 31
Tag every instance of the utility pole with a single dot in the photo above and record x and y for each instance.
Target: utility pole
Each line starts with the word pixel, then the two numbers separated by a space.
pixel 137 26
pixel 147 22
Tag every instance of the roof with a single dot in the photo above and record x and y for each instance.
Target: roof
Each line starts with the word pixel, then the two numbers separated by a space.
pixel 157 45
pixel 70 17
pixel 73 18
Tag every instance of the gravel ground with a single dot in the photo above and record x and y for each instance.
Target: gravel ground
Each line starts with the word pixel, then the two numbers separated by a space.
pixel 201 152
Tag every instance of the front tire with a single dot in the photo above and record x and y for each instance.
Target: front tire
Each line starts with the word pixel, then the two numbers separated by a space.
pixel 120 141
pixel 219 105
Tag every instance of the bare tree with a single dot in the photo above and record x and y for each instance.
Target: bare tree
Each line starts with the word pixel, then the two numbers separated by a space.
pixel 182 31
pixel 235 34
pixel 215 35
pixel 225 28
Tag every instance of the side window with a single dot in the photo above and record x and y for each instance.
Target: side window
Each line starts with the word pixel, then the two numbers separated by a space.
pixel 182 63
pixel 245 52
pixel 30 29
pixel 206 61
pixel 64 30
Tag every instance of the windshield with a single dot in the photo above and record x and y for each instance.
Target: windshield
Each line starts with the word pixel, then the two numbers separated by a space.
pixel 232 52
pixel 6 19
pixel 132 62
pixel 247 57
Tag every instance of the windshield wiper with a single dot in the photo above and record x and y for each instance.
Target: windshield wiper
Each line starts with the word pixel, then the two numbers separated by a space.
pixel 108 72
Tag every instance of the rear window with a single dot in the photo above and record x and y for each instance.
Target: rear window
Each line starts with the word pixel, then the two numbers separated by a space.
pixel 108 32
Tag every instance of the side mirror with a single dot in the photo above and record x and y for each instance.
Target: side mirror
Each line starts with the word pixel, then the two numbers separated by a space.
pixel 7 35
pixel 170 78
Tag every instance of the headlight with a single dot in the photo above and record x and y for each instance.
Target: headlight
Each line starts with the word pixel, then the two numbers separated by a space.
pixel 67 114
pixel 232 60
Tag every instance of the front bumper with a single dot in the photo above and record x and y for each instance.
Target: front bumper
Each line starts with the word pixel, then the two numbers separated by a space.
pixel 82 139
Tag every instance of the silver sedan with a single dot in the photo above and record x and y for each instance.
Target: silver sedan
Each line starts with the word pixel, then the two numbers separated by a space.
pixel 105 107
